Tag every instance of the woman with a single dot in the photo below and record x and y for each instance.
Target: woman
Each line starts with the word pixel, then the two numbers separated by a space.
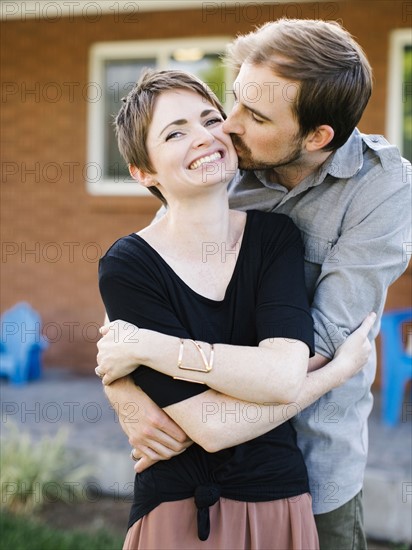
pixel 219 300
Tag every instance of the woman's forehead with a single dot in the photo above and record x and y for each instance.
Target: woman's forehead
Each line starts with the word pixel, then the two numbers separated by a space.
pixel 179 103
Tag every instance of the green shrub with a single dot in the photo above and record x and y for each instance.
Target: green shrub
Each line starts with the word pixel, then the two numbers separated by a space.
pixel 32 472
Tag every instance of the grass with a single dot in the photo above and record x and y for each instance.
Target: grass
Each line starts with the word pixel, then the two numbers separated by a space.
pixel 20 533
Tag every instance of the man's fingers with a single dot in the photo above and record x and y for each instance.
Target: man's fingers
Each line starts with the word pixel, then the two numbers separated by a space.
pixel 174 445
pixel 156 439
pixel 104 329
pixel 174 433
pixel 157 451
pixel 98 373
pixel 368 323
pixel 152 453
pixel 164 423
pixel 143 464
pixel 107 379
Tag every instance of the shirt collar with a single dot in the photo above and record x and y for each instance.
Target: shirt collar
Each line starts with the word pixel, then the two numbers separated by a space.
pixel 347 160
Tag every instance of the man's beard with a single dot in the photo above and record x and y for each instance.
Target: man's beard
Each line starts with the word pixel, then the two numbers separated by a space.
pixel 248 162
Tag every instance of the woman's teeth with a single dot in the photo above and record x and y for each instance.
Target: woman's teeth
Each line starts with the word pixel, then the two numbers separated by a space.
pixel 209 158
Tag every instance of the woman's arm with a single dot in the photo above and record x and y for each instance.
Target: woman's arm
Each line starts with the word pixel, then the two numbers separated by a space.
pixel 217 421
pixel 274 371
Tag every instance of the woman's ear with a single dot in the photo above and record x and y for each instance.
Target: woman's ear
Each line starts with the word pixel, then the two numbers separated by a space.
pixel 146 179
pixel 319 138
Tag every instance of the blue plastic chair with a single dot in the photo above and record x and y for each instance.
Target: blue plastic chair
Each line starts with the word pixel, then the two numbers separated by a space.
pixel 21 344
pixel 396 364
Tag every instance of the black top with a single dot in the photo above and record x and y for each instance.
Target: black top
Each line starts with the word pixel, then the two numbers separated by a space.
pixel 265 298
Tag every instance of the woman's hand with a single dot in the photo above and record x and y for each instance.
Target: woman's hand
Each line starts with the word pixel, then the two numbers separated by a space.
pixel 117 351
pixel 354 353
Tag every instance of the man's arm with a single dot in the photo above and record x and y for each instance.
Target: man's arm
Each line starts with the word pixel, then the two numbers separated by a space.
pixel 367 258
pixel 216 421
pixel 317 361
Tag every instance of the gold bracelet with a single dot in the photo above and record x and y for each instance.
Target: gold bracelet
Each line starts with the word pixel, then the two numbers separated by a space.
pixel 208 365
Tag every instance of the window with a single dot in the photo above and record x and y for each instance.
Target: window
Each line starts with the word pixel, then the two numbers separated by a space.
pixel 399 112
pixel 114 68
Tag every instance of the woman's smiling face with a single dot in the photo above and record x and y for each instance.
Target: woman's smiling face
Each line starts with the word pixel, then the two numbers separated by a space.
pixel 187 146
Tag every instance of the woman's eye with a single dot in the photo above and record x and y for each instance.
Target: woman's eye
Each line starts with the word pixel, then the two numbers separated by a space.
pixel 173 135
pixel 212 121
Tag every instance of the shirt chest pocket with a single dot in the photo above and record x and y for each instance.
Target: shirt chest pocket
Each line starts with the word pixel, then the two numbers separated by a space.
pixel 318 252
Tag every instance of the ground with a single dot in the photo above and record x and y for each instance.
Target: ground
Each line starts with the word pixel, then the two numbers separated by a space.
pixel 113 515
pixel 103 513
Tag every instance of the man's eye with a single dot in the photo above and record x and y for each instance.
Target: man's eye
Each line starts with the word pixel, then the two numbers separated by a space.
pixel 256 119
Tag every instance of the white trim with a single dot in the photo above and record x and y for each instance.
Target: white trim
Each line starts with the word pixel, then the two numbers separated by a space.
pixel 394 110
pixel 100 52
pixel 140 48
pixel 53 10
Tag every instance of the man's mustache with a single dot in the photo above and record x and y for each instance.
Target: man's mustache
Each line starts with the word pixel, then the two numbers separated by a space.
pixel 236 140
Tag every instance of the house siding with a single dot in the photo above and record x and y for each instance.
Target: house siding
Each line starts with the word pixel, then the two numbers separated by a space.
pixel 52 230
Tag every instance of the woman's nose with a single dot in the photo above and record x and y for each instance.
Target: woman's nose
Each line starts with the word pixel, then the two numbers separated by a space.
pixel 203 137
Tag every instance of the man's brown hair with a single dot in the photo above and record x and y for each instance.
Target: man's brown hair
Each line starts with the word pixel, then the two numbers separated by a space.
pixel 331 69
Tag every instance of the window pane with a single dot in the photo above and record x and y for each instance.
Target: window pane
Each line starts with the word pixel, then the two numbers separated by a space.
pixel 407 103
pixel 208 68
pixel 120 76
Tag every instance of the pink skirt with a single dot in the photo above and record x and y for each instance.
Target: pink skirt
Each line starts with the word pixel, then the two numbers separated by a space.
pixel 285 524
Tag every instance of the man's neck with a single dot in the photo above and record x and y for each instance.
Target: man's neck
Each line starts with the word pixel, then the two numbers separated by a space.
pixel 291 175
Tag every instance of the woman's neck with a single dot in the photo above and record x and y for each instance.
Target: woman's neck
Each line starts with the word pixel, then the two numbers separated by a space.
pixel 201 219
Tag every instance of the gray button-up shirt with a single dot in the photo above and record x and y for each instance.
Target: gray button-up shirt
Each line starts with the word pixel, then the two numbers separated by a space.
pixel 354 214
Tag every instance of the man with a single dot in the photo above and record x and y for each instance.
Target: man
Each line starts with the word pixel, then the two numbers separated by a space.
pixel 301 88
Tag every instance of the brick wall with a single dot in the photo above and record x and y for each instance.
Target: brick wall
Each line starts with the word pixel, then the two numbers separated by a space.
pixel 52 231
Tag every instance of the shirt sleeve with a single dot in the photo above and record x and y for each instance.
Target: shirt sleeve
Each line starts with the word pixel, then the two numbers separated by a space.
pixel 133 296
pixel 370 254
pixel 282 307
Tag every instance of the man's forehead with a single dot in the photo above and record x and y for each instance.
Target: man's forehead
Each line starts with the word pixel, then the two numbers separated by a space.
pixel 258 82
pixel 250 72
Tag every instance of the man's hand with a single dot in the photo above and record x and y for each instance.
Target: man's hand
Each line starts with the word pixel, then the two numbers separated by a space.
pixel 151 432
pixel 354 353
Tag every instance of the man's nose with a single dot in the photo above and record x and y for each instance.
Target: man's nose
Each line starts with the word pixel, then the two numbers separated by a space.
pixel 232 124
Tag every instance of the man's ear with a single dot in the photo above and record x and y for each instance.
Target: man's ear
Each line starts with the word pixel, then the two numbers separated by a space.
pixel 319 138
pixel 146 179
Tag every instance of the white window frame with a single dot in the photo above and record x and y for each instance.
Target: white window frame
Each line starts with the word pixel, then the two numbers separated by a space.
pixel 96 183
pixel 394 113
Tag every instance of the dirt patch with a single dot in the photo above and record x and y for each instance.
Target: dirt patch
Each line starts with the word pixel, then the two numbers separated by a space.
pixel 106 513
